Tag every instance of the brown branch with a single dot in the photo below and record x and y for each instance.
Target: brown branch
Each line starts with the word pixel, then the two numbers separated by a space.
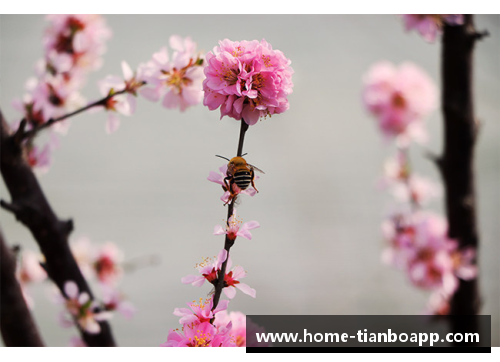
pixel 457 162
pixel 228 243
pixel 16 323
pixel 31 208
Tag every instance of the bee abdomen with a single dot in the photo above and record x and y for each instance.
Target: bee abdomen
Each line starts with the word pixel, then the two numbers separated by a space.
pixel 242 179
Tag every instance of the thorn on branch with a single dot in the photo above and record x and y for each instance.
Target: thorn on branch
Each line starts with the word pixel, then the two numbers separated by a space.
pixel 437 160
pixel 479 35
pixel 13 208
pixel 66 226
pixel 19 135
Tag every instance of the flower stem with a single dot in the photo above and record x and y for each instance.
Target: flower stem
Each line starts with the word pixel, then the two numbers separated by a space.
pixel 228 243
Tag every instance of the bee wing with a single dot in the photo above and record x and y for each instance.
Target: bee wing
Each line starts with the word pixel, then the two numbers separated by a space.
pixel 256 168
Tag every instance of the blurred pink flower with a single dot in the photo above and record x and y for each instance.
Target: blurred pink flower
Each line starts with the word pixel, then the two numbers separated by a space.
pixel 179 79
pixel 29 269
pixel 438 304
pixel 239 329
pixel 79 38
pixel 107 263
pixel 219 179
pixel 430 25
pixel 113 300
pixel 417 189
pixel 82 309
pixel 77 342
pixel 399 98
pixel 83 251
pixel 235 229
pixel 247 80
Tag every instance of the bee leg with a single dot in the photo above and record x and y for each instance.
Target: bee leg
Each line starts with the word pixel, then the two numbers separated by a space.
pixel 252 174
pixel 229 188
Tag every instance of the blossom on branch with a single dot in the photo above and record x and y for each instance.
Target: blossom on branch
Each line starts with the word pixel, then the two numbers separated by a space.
pixel 210 272
pixel 235 228
pixel 200 335
pixel 178 80
pixel 430 25
pixel 399 98
pixel 247 80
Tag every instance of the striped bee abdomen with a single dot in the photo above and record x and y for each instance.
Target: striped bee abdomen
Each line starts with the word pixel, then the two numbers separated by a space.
pixel 242 179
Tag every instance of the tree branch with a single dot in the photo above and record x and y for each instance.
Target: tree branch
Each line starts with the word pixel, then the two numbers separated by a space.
pixel 16 323
pixel 460 131
pixel 31 208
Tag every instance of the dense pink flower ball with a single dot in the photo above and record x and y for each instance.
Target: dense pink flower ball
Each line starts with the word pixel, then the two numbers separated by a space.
pixel 247 79
pixel 399 98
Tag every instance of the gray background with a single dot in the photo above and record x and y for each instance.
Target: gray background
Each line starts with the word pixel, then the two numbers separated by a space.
pixel 318 248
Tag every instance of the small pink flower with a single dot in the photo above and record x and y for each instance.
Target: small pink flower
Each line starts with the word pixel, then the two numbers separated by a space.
pixel 416 189
pixel 30 270
pixel 219 179
pixel 83 251
pixel 235 229
pixel 247 80
pixel 124 103
pixel 179 79
pixel 438 304
pixel 430 25
pixel 107 263
pixel 113 300
pixel 82 309
pixel 399 98
pixel 210 272
pixel 239 329
pixel 77 342
pixel 199 312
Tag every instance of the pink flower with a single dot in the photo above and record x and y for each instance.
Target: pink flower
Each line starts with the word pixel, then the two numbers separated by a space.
pixel 399 98
pixel 219 179
pixel 199 312
pixel 239 329
pixel 114 300
pixel 430 25
pixel 418 190
pixel 82 310
pixel 40 158
pixel 438 304
pixel 247 80
pixel 210 272
pixel 123 103
pixel 83 251
pixel 235 229
pixel 201 335
pixel 179 79
pixel 77 342
pixel 29 269
pixel 107 263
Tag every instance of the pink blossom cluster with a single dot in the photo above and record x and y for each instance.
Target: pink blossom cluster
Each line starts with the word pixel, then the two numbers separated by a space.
pixel 240 324
pixel 418 244
pixel 430 25
pixel 73 46
pixel 400 98
pixel 247 80
pixel 197 328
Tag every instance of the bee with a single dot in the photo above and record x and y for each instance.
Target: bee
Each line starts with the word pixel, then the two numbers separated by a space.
pixel 241 173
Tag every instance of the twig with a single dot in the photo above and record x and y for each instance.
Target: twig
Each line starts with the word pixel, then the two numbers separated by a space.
pixel 16 323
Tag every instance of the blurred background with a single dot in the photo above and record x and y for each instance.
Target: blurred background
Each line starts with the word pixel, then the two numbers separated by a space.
pixel 319 245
